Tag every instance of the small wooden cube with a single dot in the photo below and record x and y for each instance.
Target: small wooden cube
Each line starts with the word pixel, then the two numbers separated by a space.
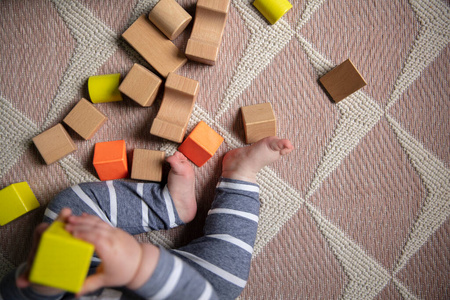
pixel 259 122
pixel 110 160
pixel 272 10
pixel 16 200
pixel 61 260
pixel 170 18
pixel 54 144
pixel 147 164
pixel 342 81
pixel 85 119
pixel 104 88
pixel 141 85
pixel 201 144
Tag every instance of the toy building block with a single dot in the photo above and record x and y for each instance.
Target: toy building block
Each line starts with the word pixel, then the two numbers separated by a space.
pixel 141 85
pixel 16 200
pixel 147 164
pixel 54 144
pixel 342 81
pixel 104 88
pixel 201 144
pixel 259 122
pixel 110 160
pixel 210 19
pixel 170 18
pixel 154 46
pixel 61 260
pixel 272 10
pixel 85 119
pixel 173 116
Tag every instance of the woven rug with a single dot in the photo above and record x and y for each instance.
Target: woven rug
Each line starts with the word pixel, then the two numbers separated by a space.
pixel 360 209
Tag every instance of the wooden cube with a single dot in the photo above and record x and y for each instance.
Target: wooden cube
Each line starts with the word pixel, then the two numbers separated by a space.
pixel 61 260
pixel 147 164
pixel 85 119
pixel 110 160
pixel 178 102
pixel 259 122
pixel 342 81
pixel 170 18
pixel 272 10
pixel 141 85
pixel 16 200
pixel 201 144
pixel 104 88
pixel 54 144
pixel 154 46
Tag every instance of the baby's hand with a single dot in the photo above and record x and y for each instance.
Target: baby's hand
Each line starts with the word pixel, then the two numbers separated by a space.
pixel 120 253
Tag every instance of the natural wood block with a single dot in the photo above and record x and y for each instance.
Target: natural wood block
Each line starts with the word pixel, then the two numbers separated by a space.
pixel 147 164
pixel 54 143
pixel 272 10
pixel 170 18
pixel 104 88
pixel 154 46
pixel 210 20
pixel 85 119
pixel 141 85
pixel 16 200
pixel 342 81
pixel 173 116
pixel 201 144
pixel 259 122
pixel 61 260
pixel 110 160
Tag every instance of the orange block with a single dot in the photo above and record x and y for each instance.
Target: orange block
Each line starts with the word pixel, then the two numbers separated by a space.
pixel 110 160
pixel 201 144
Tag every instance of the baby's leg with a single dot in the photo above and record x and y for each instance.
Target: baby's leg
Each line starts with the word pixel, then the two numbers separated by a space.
pixel 135 207
pixel 223 254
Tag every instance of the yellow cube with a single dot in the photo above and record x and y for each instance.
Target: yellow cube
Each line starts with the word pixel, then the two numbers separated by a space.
pixel 16 200
pixel 61 260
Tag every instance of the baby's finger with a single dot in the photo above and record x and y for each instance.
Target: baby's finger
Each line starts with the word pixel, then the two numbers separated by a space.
pixel 92 283
pixel 64 214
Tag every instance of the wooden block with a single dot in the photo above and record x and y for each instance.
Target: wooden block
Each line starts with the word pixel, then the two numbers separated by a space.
pixel 85 119
pixel 210 20
pixel 201 144
pixel 170 18
pixel 173 116
pixel 54 144
pixel 16 200
pixel 342 81
pixel 272 10
pixel 259 122
pixel 141 85
pixel 147 164
pixel 110 160
pixel 104 88
pixel 154 46
pixel 61 260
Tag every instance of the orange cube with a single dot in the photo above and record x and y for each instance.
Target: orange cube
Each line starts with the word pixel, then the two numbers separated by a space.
pixel 110 160
pixel 201 144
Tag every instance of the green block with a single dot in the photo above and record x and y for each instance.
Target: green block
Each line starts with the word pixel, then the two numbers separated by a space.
pixel 61 260
pixel 15 201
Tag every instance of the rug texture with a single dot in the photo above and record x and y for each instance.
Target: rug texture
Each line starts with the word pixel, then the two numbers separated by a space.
pixel 360 209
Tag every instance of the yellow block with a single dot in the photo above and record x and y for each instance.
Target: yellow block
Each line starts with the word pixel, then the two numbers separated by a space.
pixel 104 88
pixel 16 200
pixel 272 10
pixel 61 260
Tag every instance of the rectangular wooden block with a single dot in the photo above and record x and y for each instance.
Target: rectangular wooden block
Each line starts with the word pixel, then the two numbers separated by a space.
pixel 85 119
pixel 16 200
pixel 154 46
pixel 259 122
pixel 201 144
pixel 61 260
pixel 54 143
pixel 342 81
pixel 141 85
pixel 110 160
pixel 147 164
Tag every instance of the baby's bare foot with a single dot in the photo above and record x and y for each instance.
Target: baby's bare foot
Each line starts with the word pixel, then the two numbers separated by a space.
pixel 244 163
pixel 181 185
